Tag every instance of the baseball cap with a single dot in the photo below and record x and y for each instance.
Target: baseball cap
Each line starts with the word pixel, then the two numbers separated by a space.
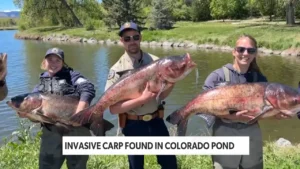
pixel 129 25
pixel 55 51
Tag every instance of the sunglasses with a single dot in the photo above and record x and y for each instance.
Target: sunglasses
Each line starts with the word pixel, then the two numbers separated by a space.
pixel 134 37
pixel 241 50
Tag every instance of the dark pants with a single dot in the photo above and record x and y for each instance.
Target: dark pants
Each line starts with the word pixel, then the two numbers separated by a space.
pixel 155 127
pixel 252 161
pixel 51 150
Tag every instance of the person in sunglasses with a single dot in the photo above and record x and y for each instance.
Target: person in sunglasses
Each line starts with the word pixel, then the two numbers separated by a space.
pixel 244 69
pixel 142 116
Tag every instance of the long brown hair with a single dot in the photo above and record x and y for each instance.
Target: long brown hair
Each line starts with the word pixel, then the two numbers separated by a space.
pixel 253 65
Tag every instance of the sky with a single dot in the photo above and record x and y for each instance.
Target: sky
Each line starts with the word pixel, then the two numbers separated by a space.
pixel 7 5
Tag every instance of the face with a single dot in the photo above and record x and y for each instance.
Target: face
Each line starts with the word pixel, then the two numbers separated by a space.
pixel 175 68
pixel 53 64
pixel 244 52
pixel 131 40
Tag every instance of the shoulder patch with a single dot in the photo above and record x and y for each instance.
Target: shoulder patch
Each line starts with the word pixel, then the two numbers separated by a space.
pixel 111 74
pixel 80 80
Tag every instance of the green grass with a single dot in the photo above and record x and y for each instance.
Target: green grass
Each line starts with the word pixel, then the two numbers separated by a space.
pixel 271 35
pixel 8 23
pixel 23 154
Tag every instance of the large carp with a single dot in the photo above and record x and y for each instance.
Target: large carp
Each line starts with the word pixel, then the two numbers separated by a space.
pixel 53 109
pixel 262 100
pixel 131 85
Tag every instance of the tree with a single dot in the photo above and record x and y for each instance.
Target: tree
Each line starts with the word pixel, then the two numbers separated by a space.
pixel 200 10
pixel 180 11
pixel 267 7
pixel 290 14
pixel 64 12
pixel 221 9
pixel 161 15
pixel 121 11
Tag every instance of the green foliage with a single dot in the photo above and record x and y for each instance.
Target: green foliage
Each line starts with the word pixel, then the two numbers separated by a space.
pixel 267 7
pixel 161 16
pixel 180 11
pixel 240 9
pixel 8 22
pixel 200 10
pixel 121 11
pixel 57 12
pixel 222 9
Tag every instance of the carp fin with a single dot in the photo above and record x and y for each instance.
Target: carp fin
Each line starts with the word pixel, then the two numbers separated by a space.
pixel 82 117
pixel 265 110
pixel 44 118
pixel 125 72
pixel 62 128
pixel 182 127
pixel 99 128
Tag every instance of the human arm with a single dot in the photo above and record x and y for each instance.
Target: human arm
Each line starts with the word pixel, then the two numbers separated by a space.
pixel 124 106
pixel 85 88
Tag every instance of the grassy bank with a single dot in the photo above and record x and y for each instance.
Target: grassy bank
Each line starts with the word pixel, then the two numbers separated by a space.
pixel 9 28
pixel 23 154
pixel 8 23
pixel 271 35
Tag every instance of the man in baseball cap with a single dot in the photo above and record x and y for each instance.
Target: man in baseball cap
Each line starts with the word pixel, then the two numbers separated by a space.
pixel 127 26
pixel 136 117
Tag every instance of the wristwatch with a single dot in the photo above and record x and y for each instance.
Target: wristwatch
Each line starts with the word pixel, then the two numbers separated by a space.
pixel 2 82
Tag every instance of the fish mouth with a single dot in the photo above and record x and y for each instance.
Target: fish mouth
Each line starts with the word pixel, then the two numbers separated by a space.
pixel 12 105
pixel 189 62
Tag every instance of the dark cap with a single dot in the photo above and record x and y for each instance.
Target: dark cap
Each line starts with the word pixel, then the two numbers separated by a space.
pixel 55 51
pixel 129 25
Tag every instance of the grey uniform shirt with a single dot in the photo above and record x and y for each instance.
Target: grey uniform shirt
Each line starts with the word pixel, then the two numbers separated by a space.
pixel 127 63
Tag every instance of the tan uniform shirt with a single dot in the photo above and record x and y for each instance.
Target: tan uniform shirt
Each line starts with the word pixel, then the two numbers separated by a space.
pixel 127 63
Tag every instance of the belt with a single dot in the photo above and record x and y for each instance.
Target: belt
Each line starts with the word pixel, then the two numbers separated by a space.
pixel 146 117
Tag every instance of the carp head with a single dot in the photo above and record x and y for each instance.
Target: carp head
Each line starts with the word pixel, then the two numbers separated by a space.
pixel 175 68
pixel 284 98
pixel 25 102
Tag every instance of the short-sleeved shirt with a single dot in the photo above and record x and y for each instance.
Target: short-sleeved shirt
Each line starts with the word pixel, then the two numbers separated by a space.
pixel 128 63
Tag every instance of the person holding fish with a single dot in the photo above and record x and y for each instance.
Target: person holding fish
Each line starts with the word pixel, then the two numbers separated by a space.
pixel 142 116
pixel 60 79
pixel 3 73
pixel 235 97
pixel 244 69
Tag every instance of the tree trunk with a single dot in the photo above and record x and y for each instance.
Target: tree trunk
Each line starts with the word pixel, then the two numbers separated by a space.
pixel 76 20
pixel 290 17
